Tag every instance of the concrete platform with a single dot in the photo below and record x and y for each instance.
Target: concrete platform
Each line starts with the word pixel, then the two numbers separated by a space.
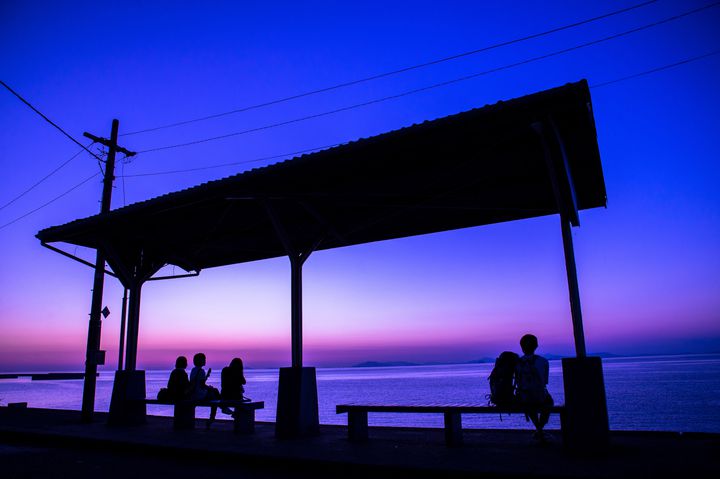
pixel 53 443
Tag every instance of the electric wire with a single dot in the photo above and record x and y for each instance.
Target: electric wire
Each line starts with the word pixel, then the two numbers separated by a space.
pixel 234 163
pixel 41 180
pixel 290 154
pixel 49 202
pixel 48 120
pixel 655 70
pixel 123 184
pixel 437 85
pixel 396 72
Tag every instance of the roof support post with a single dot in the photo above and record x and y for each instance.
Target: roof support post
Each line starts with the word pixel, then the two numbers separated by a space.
pixel 133 324
pixel 133 271
pixel 297 404
pixel 297 259
pixel 296 264
pixel 564 191
pixel 123 319
pixel 126 405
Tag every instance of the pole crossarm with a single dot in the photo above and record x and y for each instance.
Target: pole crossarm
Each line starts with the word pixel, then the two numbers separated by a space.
pixel 109 144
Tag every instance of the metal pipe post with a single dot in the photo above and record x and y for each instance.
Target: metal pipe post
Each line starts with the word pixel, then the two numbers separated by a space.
pixel 132 327
pixel 573 288
pixel 296 264
pixel 123 317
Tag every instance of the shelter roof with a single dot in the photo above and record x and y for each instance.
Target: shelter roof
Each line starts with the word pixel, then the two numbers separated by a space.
pixel 479 167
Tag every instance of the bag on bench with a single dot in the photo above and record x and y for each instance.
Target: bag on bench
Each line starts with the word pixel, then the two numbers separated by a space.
pixel 502 385
pixel 164 395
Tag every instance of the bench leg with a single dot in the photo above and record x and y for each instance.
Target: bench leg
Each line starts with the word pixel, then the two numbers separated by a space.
pixel 244 421
pixel 453 429
pixel 357 425
pixel 184 416
pixel 563 428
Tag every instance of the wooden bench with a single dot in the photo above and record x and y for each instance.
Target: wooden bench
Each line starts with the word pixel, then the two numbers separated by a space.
pixel 184 412
pixel 358 416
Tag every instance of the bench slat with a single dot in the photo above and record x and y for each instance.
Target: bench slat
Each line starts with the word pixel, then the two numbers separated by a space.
pixel 218 403
pixel 358 416
pixel 427 408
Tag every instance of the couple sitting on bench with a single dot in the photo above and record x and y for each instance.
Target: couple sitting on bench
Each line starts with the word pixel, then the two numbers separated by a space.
pixel 196 388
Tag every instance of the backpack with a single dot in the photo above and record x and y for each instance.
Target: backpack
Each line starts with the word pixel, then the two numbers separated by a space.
pixel 530 386
pixel 502 387
pixel 164 395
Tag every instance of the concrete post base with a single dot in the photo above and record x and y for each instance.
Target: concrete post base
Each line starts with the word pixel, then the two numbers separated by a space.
pixel 126 406
pixel 585 428
pixel 183 416
pixel 297 406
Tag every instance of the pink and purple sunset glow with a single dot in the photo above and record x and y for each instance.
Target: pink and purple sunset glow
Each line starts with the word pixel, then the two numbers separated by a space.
pixel 647 264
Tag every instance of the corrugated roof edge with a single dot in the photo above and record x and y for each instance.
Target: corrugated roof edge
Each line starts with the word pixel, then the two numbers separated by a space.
pixel 581 85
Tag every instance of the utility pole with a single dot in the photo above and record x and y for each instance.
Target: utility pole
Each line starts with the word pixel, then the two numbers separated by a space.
pixel 94 356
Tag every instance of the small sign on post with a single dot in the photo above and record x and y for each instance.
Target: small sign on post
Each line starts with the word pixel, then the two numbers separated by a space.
pixel 100 357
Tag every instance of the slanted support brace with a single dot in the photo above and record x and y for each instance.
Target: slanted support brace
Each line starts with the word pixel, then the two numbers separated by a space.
pixel 573 289
pixel 564 191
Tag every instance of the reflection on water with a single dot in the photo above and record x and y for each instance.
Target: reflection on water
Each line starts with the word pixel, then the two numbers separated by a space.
pixel 676 393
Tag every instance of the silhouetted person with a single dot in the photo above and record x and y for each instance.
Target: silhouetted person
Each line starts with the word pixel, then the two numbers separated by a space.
pixel 531 376
pixel 178 384
pixel 232 382
pixel 200 391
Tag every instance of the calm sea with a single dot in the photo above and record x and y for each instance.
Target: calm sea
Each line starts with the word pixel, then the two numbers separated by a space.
pixel 666 393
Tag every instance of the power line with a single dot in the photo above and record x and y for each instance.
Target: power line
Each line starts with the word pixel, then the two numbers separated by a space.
pixel 655 70
pixel 41 180
pixel 234 163
pixel 395 72
pixel 49 202
pixel 290 154
pixel 48 120
pixel 437 85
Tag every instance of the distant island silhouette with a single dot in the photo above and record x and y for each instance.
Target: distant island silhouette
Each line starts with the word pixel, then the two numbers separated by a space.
pixel 388 364
pixel 378 364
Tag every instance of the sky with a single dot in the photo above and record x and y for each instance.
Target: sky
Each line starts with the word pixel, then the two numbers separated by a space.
pixel 647 263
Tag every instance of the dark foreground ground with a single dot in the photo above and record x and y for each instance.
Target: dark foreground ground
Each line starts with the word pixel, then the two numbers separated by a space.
pixel 38 443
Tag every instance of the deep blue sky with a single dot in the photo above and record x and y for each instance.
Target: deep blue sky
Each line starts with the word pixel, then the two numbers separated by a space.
pixel 648 263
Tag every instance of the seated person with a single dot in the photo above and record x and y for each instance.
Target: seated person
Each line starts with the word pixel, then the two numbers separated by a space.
pixel 178 384
pixel 199 390
pixel 232 381
pixel 531 376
